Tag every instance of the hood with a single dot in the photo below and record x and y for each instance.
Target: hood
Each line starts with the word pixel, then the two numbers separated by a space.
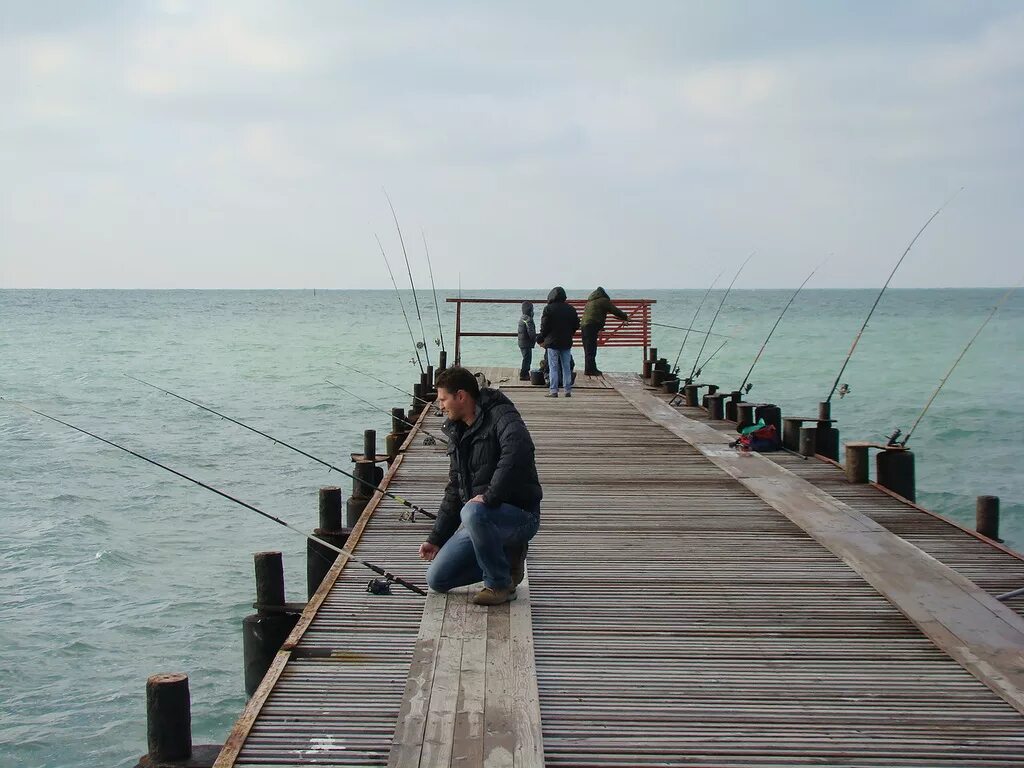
pixel 528 308
pixel 557 294
pixel 599 293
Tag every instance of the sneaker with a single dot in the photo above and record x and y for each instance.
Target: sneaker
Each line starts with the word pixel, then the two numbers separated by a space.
pixel 488 596
pixel 551 394
pixel 516 554
pixel 524 377
pixel 568 394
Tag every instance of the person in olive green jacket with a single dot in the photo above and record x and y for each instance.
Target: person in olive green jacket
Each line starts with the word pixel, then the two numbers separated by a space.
pixel 594 314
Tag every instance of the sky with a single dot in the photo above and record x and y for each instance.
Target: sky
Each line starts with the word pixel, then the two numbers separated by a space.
pixel 246 144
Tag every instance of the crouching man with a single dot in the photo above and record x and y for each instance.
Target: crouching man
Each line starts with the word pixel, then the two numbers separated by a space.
pixel 491 506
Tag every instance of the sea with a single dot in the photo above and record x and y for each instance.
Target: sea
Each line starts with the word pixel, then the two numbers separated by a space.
pixel 112 570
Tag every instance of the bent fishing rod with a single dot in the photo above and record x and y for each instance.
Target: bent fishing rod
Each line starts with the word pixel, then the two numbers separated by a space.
pixel 675 365
pixel 415 298
pixel 963 352
pixel 437 307
pixel 390 577
pixel 364 401
pixel 717 312
pixel 413 508
pixel 777 321
pixel 401 304
pixel 856 339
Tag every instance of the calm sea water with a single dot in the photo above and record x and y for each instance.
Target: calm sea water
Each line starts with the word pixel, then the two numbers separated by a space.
pixel 112 570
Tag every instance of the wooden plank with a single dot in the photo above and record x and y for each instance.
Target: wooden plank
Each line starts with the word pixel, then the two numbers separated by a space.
pixel 499 730
pixel 407 744
pixel 975 629
pixel 468 738
pixel 529 750
pixel 444 686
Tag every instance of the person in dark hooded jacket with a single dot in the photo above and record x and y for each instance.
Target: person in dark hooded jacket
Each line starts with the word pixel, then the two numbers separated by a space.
pixel 558 324
pixel 594 316
pixel 527 333
pixel 493 491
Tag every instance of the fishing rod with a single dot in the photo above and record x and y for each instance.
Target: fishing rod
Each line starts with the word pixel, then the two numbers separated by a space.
pixel 675 366
pixel 684 328
pixel 383 410
pixel 437 307
pixel 955 364
pixel 415 298
pixel 856 339
pixel 777 321
pixel 385 383
pixel 390 577
pixel 415 344
pixel 710 358
pixel 713 319
pixel 414 509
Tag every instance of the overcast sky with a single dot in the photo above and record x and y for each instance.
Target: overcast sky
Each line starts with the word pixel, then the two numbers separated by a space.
pixel 244 144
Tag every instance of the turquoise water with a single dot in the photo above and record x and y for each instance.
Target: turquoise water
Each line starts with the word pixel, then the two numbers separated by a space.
pixel 112 570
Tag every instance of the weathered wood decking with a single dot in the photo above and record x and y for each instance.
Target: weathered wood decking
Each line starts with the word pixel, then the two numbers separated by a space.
pixel 688 608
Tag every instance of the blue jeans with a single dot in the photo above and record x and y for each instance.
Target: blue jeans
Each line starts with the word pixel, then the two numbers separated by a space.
pixel 477 550
pixel 524 369
pixel 560 358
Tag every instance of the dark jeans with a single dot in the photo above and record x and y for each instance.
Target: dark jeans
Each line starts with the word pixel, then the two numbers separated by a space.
pixel 524 369
pixel 477 550
pixel 589 334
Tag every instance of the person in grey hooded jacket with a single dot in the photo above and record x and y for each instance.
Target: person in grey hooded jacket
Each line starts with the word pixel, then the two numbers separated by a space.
pixel 527 333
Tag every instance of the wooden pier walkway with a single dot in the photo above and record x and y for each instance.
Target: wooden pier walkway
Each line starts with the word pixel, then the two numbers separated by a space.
pixel 683 606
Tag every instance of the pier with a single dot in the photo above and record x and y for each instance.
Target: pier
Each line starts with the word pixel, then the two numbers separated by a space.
pixel 684 605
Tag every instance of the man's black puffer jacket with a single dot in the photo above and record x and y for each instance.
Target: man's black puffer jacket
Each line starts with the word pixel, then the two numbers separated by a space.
pixel 493 457
pixel 559 321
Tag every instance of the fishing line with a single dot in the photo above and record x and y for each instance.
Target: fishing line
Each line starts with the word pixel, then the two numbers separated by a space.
pixel 437 307
pixel 675 366
pixel 415 298
pixel 856 339
pixel 720 305
pixel 957 362
pixel 341 551
pixel 684 328
pixel 350 393
pixel 415 344
pixel 381 381
pixel 777 321
pixel 366 483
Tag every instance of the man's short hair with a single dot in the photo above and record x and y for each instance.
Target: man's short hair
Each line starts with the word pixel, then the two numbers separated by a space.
pixel 455 378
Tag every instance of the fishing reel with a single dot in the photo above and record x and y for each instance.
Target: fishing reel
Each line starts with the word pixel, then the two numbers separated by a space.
pixel 893 439
pixel 379 587
pixel 844 390
pixel 746 389
pixel 428 440
pixel 437 342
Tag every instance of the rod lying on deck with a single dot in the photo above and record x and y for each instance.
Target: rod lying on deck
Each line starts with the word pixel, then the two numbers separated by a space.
pixel 382 410
pixel 366 483
pixel 341 551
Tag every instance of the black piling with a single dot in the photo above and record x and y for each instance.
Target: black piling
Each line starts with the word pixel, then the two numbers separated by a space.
pixel 265 631
pixel 690 395
pixel 399 430
pixel 894 469
pixel 987 517
pixel 716 409
pixel 827 436
pixel 319 558
pixel 169 726
pixel 771 414
pixel 808 441
pixel 732 405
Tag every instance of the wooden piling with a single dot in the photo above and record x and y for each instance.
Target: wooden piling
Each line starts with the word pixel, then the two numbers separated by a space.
pixel 987 517
pixel 732 404
pixel 857 463
pixel 442 361
pixel 168 717
pixel 265 631
pixel 319 558
pixel 808 441
pixel 894 469
pixel 690 395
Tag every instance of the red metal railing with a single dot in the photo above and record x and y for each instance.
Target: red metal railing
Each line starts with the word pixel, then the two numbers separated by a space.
pixel 635 333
